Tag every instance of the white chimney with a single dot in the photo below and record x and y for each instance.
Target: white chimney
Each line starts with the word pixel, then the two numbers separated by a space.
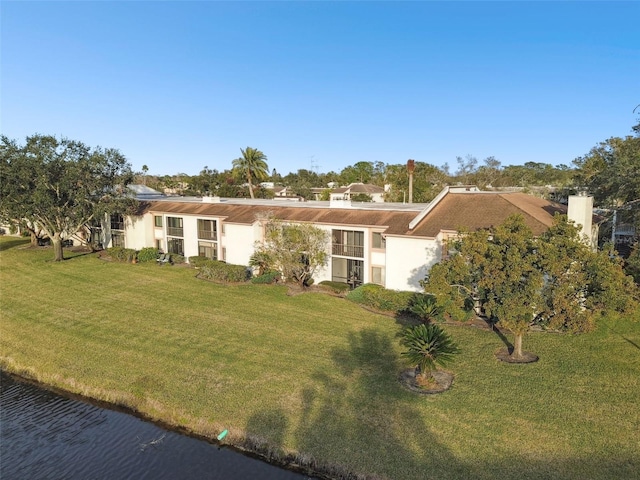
pixel 211 199
pixel 580 210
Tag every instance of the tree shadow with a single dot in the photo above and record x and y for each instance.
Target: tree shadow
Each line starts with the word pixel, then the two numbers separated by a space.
pixel 356 421
pixel 14 242
pixel 364 404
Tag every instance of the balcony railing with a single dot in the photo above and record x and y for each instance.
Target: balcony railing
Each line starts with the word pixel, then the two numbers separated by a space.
pixel 348 250
pixel 207 235
pixel 175 231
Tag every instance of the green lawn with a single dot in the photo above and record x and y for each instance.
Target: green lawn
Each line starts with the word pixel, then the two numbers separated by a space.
pixel 316 376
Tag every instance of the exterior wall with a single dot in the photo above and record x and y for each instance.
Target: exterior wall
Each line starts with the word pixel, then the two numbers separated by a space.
pixel 139 232
pixel 239 241
pixel 580 210
pixel 408 260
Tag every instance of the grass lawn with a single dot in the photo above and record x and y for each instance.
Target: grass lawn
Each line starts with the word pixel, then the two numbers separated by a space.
pixel 316 376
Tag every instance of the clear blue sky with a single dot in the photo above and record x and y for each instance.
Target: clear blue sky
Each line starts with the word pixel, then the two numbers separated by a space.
pixel 180 85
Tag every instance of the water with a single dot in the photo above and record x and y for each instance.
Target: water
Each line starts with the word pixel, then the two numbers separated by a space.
pixel 44 435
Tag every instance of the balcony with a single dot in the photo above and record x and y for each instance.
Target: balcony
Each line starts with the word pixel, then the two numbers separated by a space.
pixel 207 235
pixel 348 250
pixel 175 231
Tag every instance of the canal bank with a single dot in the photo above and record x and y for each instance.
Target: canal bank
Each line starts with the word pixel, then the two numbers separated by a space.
pixel 47 434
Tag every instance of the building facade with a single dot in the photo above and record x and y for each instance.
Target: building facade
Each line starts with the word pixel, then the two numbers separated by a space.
pixel 393 245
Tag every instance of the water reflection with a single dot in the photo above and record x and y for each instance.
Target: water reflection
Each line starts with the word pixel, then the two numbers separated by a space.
pixel 47 436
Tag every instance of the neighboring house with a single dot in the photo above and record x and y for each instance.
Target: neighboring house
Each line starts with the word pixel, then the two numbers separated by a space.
pixel 393 245
pixel 346 193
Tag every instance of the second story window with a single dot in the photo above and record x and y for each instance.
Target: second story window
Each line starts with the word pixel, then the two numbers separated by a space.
pixel 157 220
pixel 117 222
pixel 207 230
pixel 378 241
pixel 348 243
pixel 174 227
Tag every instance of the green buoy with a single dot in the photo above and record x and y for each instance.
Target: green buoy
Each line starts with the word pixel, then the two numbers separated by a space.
pixel 223 434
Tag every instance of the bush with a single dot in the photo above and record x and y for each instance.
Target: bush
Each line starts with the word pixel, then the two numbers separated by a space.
pixel 339 288
pixel 426 307
pixel 224 272
pixel 121 254
pixel 268 277
pixel 197 261
pixel 176 258
pixel 380 298
pixel 148 254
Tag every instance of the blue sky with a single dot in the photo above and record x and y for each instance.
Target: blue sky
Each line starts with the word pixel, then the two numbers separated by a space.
pixel 322 85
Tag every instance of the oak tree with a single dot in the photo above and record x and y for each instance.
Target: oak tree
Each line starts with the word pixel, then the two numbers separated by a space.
pixel 61 185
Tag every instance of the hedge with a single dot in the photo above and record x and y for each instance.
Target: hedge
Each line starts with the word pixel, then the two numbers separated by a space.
pixel 223 272
pixel 380 298
pixel 148 254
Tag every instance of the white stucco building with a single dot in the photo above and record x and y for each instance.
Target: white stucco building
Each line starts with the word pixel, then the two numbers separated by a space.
pixel 394 245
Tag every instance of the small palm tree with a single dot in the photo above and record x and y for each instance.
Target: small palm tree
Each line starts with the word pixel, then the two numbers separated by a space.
pixel 252 164
pixel 428 348
pixel 426 308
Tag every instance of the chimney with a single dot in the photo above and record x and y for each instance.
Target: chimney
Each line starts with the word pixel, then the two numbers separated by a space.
pixel 580 211
pixel 209 199
pixel 411 166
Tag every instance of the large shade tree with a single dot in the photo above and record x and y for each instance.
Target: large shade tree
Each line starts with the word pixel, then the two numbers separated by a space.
pixel 252 165
pixel 519 280
pixel 61 185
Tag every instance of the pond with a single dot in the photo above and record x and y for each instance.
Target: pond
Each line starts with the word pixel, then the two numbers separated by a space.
pixel 45 435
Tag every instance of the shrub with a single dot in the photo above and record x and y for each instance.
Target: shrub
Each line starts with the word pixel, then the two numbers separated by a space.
pixel 428 346
pixel 177 259
pixel 121 254
pixel 224 272
pixel 380 298
pixel 339 288
pixel 268 277
pixel 426 307
pixel 197 261
pixel 148 254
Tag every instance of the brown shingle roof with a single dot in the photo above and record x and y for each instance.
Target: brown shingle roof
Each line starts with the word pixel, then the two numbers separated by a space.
pixel 455 211
pixel 396 221
pixel 483 210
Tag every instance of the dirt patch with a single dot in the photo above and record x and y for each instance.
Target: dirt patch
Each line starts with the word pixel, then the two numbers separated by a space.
pixel 442 382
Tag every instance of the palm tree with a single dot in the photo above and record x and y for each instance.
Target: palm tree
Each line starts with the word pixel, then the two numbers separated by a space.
pixel 252 164
pixel 428 347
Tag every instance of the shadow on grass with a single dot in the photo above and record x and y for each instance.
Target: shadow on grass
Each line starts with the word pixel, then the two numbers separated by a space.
pixel 6 243
pixel 357 422
pixel 362 418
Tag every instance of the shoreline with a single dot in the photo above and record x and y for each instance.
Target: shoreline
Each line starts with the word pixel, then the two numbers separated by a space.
pixel 251 447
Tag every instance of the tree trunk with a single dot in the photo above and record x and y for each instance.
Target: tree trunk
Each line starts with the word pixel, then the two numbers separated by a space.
pixel 58 253
pixel 34 238
pixel 250 185
pixel 517 345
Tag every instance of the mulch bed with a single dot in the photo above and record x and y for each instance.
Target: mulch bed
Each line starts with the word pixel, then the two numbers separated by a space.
pixel 442 382
pixel 504 355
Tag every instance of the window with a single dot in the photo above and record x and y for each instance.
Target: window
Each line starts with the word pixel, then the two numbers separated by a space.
pixel 224 254
pixel 175 245
pixel 207 230
pixel 377 275
pixel 208 249
pixel 159 244
pixel 174 227
pixel 117 222
pixel 157 220
pixel 347 270
pixel 117 239
pixel 348 243
pixel 378 241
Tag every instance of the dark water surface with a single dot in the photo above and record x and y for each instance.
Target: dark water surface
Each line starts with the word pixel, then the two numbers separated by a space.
pixel 44 435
